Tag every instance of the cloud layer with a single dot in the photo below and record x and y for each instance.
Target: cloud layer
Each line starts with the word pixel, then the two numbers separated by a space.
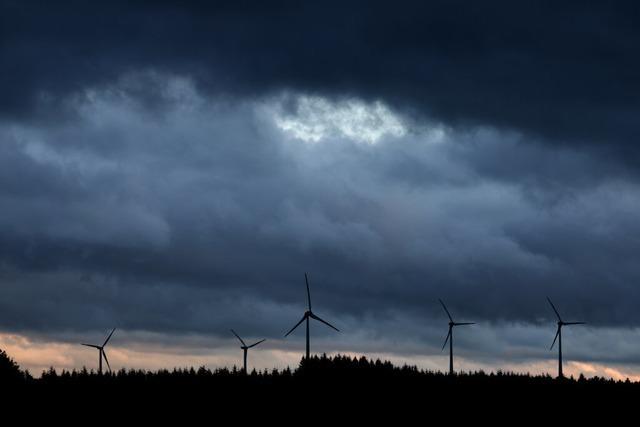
pixel 563 70
pixel 212 199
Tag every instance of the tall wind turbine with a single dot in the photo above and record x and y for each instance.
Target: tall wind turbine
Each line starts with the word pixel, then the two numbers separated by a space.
pixel 309 315
pixel 101 352
pixel 558 336
pixel 245 347
pixel 450 335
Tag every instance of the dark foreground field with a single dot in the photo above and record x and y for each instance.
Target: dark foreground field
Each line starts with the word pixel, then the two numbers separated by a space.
pixel 325 387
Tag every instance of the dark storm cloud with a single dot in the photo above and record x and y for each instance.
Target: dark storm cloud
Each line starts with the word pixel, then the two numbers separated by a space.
pixel 566 71
pixel 184 219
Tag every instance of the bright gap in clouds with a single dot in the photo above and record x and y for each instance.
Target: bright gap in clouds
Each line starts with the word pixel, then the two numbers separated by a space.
pixel 313 118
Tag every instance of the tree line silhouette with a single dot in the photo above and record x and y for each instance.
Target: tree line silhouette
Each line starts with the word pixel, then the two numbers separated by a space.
pixel 321 385
pixel 320 369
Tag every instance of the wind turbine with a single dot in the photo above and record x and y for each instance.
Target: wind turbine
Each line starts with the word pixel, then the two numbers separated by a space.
pixel 245 347
pixel 101 352
pixel 450 336
pixel 309 315
pixel 558 336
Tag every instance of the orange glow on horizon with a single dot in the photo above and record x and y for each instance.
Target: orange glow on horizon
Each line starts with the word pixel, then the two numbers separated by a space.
pixel 38 356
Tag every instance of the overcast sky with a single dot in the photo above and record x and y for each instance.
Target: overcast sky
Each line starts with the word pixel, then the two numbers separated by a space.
pixel 173 171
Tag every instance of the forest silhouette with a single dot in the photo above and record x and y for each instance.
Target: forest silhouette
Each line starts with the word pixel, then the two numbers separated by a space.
pixel 332 390
pixel 339 372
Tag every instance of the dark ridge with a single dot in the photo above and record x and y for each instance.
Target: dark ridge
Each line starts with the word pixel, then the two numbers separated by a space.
pixel 341 386
pixel 339 369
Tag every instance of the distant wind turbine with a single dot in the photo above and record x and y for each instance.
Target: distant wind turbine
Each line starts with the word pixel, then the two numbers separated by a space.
pixel 307 315
pixel 245 347
pixel 558 336
pixel 101 352
pixel 450 336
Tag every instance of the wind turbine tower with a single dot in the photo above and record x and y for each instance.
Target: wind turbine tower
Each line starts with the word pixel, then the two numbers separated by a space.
pixel 450 335
pixel 245 348
pixel 101 352
pixel 309 315
pixel 558 336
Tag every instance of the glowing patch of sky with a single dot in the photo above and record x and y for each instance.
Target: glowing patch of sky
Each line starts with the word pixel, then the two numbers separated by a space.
pixel 315 118
pixel 37 356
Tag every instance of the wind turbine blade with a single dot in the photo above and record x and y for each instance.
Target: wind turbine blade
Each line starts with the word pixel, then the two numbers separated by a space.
pixel 306 279
pixel 255 344
pixel 313 316
pixel 445 309
pixel 104 354
pixel 297 324
pixel 238 336
pixel 556 337
pixel 109 337
pixel 464 323
pixel 91 345
pixel 575 323
pixel 446 339
pixel 554 309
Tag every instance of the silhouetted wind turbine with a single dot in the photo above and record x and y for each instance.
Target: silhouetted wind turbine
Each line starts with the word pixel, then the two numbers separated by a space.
pixel 309 314
pixel 450 336
pixel 558 336
pixel 101 352
pixel 245 347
